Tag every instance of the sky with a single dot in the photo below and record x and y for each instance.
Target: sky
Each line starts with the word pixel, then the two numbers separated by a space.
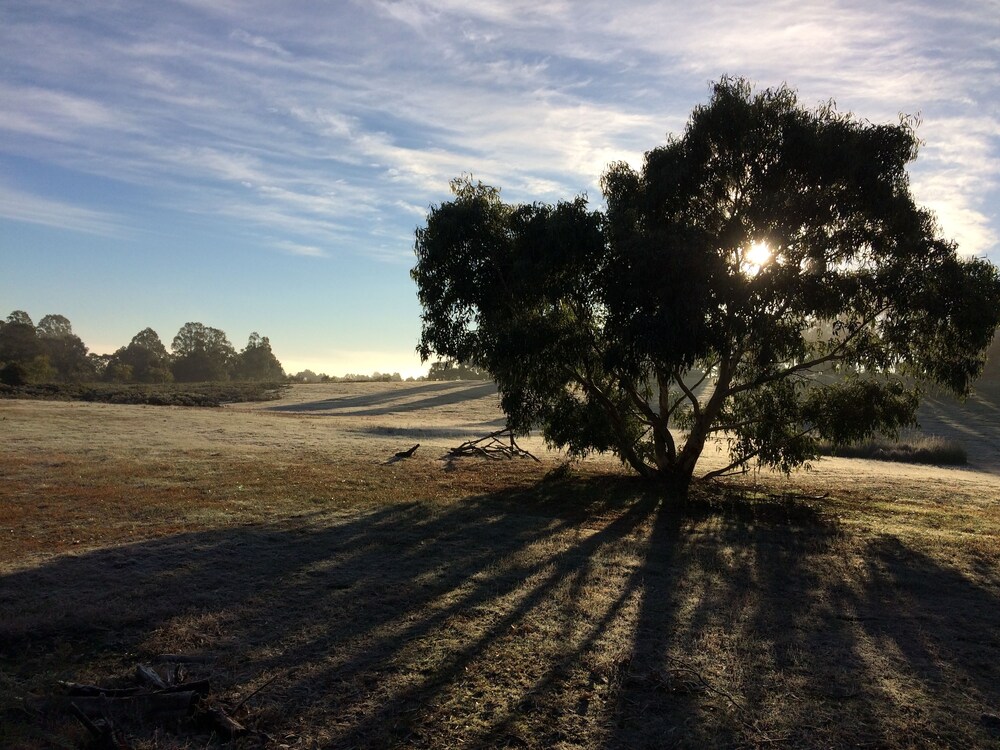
pixel 261 165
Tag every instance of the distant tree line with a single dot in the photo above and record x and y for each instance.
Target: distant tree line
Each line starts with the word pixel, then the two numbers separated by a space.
pixel 308 376
pixel 51 352
pixel 448 370
pixel 443 370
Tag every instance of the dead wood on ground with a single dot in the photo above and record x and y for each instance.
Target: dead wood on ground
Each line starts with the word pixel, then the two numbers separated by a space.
pixel 496 446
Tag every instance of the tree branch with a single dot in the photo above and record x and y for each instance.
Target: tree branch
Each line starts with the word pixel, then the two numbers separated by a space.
pixel 627 451
pixel 744 459
pixel 836 355
pixel 688 394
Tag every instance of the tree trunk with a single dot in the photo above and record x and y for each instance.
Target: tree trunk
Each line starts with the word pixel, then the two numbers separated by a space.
pixel 676 480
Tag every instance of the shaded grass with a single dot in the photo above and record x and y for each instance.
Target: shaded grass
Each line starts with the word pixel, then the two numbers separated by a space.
pixel 495 605
pixel 152 394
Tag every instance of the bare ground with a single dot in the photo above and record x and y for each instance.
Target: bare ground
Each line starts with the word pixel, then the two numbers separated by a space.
pixel 427 603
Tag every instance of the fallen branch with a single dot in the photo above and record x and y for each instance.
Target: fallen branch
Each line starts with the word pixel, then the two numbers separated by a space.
pixel 160 706
pixel 496 446
pixel 149 677
pixel 409 452
pixel 224 724
pixel 252 694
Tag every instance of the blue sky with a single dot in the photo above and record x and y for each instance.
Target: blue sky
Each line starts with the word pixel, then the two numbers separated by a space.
pixel 262 165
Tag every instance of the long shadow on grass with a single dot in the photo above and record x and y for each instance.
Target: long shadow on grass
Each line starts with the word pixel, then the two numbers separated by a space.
pixel 388 402
pixel 780 629
pixel 581 613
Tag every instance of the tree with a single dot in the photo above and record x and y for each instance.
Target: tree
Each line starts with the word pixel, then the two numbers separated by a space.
pixel 766 278
pixel 446 370
pixel 144 360
pixel 18 339
pixel 20 317
pixel 65 351
pixel 54 326
pixel 201 354
pixel 257 361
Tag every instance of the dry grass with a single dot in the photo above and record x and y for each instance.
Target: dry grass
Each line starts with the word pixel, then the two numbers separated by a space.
pixel 487 604
pixel 919 449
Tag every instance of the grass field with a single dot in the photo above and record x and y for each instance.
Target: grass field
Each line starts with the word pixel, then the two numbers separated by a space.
pixel 425 603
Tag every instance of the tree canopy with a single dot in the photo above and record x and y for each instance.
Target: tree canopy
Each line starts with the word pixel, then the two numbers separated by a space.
pixel 201 353
pixel 257 361
pixel 51 351
pixel 765 278
pixel 144 360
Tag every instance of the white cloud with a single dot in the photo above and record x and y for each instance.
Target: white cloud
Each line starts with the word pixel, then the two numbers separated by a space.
pixel 308 251
pixel 320 123
pixel 19 205
pixel 259 42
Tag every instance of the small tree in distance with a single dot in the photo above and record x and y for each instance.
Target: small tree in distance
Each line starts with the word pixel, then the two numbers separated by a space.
pixel 257 361
pixel 201 353
pixel 144 360
pixel 765 278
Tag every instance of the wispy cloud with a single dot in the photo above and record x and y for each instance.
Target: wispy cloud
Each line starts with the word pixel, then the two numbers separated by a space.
pixel 17 205
pixel 308 251
pixel 332 125
pixel 259 42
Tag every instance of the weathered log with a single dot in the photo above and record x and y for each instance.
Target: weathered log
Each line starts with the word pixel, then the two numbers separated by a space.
pixel 91 726
pixel 186 658
pixel 224 724
pixel 149 677
pixel 201 687
pixel 76 688
pixel 160 706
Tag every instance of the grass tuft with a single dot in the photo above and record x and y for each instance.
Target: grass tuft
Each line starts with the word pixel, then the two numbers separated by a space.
pixel 928 449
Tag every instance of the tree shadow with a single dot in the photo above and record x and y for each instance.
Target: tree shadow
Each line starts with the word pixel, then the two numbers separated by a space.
pixel 579 612
pixel 974 423
pixel 388 401
pixel 754 632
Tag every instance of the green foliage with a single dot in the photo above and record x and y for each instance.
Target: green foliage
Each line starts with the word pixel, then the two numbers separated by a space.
pixel 201 354
pixel 49 352
pixel 13 374
pixel 447 370
pixel 144 360
pixel 257 361
pixel 652 327
pixel 18 340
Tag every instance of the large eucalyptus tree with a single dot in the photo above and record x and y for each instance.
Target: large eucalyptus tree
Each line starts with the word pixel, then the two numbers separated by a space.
pixel 766 278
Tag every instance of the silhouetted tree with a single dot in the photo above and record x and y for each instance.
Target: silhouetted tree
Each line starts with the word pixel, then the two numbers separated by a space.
pixel 54 326
pixel 448 370
pixel 21 348
pixel 257 361
pixel 694 301
pixel 306 376
pixel 20 317
pixel 65 351
pixel 99 364
pixel 144 360
pixel 18 339
pixel 201 353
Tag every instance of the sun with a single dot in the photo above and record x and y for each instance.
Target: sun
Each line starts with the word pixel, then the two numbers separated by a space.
pixel 758 254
